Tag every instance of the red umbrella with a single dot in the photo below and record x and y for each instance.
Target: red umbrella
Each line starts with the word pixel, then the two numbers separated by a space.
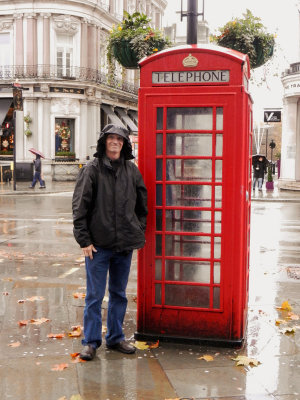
pixel 37 152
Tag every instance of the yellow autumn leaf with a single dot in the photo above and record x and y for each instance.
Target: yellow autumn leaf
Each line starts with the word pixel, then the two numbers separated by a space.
pixel 280 321
pixel 285 306
pixel 206 357
pixel 288 331
pixel 244 360
pixel 141 345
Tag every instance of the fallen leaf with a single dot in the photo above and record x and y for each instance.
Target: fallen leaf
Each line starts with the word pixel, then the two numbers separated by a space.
pixel 15 344
pixel 39 321
pixel 23 322
pixel 134 298
pixel 141 345
pixel 76 331
pixel 79 295
pixel 21 301
pixel 244 360
pixel 75 358
pixel 285 306
pixel 154 345
pixel 76 397
pixel 288 331
pixel 104 329
pixel 7 279
pixel 280 321
pixel 56 335
pixel 293 316
pixel 59 367
pixel 206 357
pixel 36 298
pixel 28 278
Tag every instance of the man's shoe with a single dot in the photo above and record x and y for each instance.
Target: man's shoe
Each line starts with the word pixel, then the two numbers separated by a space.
pixel 88 353
pixel 31 187
pixel 42 187
pixel 123 347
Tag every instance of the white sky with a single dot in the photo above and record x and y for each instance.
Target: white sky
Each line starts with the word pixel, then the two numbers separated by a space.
pixel 280 17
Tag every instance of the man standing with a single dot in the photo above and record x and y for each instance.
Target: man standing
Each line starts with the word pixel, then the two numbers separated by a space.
pixel 259 170
pixel 109 216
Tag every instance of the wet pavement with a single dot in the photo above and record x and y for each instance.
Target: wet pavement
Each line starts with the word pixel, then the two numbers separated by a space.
pixel 42 272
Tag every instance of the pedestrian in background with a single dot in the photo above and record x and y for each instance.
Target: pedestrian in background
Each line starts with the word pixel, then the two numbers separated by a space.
pixel 37 173
pixel 109 216
pixel 259 170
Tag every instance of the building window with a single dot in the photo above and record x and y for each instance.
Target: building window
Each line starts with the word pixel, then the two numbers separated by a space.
pixel 64 55
pixel 5 50
pixel 64 137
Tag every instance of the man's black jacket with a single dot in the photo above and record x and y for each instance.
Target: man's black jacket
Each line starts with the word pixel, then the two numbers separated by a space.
pixel 110 208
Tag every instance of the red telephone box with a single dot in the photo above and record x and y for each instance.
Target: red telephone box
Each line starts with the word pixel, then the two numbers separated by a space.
pixel 195 141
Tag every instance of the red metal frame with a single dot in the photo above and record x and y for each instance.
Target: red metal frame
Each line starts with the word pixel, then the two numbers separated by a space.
pixel 225 321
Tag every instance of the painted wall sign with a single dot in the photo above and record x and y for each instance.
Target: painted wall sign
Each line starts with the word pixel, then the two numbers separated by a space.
pixel 66 90
pixel 199 77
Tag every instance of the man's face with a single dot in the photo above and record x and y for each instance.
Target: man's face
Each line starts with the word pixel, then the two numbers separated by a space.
pixel 114 144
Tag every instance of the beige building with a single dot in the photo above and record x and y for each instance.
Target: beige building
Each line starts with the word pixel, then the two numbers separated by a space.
pixel 58 52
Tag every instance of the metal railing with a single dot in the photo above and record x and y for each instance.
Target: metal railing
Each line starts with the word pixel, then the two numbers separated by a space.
pixel 52 72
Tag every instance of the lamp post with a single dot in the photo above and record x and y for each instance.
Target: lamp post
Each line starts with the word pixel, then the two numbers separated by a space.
pixel 192 20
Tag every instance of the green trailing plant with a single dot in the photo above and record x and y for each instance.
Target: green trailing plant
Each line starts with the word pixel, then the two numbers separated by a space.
pixel 249 36
pixel 133 39
pixel 65 154
pixel 6 152
pixel 27 119
pixel 270 175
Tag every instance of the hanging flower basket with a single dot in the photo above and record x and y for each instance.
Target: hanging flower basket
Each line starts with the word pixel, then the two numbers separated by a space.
pixel 134 39
pixel 124 54
pixel 247 35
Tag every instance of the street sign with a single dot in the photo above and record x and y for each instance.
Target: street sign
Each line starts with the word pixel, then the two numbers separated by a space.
pixel 18 99
pixel 272 116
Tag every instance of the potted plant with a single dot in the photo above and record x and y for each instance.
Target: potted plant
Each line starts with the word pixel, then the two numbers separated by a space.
pixel 134 39
pixel 65 156
pixel 270 182
pixel 247 35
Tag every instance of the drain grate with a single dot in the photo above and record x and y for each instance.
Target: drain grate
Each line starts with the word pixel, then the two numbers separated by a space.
pixel 293 272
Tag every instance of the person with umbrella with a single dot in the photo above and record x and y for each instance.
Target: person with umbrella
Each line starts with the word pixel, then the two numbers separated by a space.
pixel 37 169
pixel 259 170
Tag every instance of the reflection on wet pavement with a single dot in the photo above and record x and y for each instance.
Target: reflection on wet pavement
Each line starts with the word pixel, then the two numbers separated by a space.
pixel 41 267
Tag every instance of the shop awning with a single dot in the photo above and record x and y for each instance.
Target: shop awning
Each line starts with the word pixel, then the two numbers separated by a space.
pixel 4 107
pixel 113 118
pixel 134 115
pixel 127 120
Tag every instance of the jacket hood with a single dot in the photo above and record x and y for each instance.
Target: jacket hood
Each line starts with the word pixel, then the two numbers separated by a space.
pixel 126 151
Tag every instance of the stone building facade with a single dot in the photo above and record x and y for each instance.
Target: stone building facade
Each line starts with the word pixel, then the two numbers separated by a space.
pixel 58 52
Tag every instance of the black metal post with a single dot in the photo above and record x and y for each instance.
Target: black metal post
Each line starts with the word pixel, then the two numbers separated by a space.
pixel 192 21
